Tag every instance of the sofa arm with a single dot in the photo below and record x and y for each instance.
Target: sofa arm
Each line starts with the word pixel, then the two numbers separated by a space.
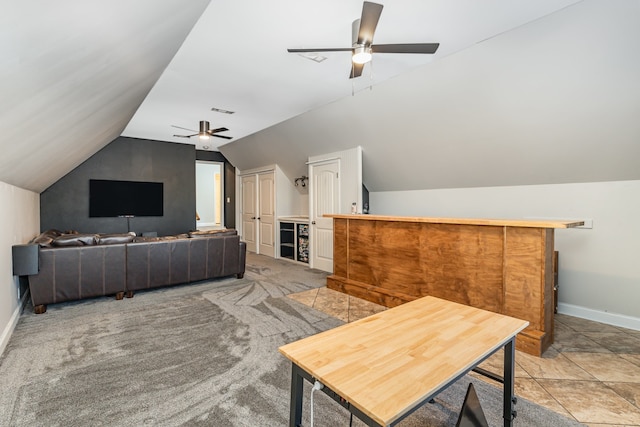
pixel 242 259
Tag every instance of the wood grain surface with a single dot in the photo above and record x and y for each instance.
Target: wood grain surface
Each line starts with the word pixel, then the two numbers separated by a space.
pixel 504 266
pixel 388 363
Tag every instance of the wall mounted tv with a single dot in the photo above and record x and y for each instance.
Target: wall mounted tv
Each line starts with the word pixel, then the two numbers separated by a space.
pixel 109 198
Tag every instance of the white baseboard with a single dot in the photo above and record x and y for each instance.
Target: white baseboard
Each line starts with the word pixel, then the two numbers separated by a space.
pixel 8 330
pixel 600 316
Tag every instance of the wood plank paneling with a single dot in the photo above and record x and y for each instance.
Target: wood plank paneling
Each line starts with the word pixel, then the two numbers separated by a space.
pixel 501 268
pixel 340 247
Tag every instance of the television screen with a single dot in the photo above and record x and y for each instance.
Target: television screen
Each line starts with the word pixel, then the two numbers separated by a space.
pixel 109 198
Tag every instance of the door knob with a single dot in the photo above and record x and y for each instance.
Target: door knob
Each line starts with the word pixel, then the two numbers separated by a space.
pixel 258 218
pixel 313 223
pixel 253 217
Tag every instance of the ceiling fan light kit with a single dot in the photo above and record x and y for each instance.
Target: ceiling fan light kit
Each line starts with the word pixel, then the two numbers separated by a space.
pixel 204 128
pixel 362 46
pixel 204 133
pixel 361 55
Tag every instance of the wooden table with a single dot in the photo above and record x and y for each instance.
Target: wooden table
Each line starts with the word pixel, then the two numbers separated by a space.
pixel 383 367
pixel 504 266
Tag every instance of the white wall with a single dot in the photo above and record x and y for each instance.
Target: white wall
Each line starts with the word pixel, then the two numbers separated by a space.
pixel 206 195
pixel 599 276
pixel 19 223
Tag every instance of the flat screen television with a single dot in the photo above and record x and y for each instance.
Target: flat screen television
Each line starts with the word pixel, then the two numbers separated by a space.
pixel 108 198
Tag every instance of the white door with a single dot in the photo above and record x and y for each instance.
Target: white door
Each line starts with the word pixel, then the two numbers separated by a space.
pixel 249 212
pixel 324 200
pixel 266 213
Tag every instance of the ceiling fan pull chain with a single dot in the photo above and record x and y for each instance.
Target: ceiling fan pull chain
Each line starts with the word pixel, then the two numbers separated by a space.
pixel 353 88
pixel 371 75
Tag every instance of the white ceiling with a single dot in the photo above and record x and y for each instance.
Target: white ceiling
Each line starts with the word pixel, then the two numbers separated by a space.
pixel 520 91
pixel 235 58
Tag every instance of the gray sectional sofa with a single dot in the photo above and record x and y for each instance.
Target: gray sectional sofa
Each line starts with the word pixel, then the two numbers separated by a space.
pixel 78 266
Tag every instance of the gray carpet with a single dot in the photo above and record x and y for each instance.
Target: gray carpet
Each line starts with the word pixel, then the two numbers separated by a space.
pixel 200 354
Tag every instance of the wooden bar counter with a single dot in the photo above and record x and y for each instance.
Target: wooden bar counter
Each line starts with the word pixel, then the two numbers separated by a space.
pixel 504 266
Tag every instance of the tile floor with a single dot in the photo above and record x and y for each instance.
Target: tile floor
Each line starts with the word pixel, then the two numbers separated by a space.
pixel 591 373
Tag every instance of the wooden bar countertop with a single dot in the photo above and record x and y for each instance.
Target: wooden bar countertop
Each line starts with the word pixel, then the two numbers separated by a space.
pixel 531 223
pixel 387 363
pixel 501 265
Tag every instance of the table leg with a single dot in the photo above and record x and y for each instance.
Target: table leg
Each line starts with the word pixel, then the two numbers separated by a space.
pixel 509 412
pixel 295 415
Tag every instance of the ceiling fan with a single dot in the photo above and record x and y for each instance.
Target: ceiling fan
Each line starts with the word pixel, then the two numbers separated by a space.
pixel 362 47
pixel 204 132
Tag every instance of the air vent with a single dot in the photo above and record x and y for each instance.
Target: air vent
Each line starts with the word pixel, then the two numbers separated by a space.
pixel 313 56
pixel 220 110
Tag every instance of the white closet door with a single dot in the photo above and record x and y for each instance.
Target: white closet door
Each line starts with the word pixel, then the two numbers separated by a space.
pixel 325 200
pixel 249 212
pixel 266 213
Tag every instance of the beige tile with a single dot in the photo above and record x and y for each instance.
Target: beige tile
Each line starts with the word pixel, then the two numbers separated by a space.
pixel 359 308
pixel 630 391
pixel 333 303
pixel 584 325
pixel 606 367
pixel 606 425
pixel 495 364
pixel 553 365
pixel 567 339
pixel 616 342
pixel 306 297
pixel 592 402
pixel 529 389
pixel 633 358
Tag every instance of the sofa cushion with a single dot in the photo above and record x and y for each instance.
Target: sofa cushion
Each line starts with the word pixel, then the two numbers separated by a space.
pixel 209 233
pixel 45 238
pixel 74 240
pixel 111 239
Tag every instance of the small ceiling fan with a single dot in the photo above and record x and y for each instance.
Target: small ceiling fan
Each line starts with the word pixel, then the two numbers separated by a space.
pixel 204 132
pixel 362 47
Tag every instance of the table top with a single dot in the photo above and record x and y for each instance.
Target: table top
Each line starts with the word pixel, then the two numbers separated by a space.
pixel 529 223
pixel 388 363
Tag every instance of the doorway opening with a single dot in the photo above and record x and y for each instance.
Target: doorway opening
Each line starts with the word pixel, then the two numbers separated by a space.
pixel 209 195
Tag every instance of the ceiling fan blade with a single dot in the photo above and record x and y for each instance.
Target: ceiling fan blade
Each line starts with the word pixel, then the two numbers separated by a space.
pixel 222 136
pixel 405 48
pixel 212 131
pixel 185 136
pixel 368 22
pixel 356 70
pixel 321 49
pixel 178 127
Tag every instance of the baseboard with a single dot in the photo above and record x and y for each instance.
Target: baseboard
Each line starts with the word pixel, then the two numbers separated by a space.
pixel 8 330
pixel 600 316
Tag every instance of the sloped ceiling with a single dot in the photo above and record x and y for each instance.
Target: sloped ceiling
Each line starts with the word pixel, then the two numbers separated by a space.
pixel 73 74
pixel 554 101
pixel 520 92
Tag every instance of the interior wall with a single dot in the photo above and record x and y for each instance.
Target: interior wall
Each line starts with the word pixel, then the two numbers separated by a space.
pixel 19 223
pixel 65 204
pixel 207 195
pixel 599 272
pixel 229 184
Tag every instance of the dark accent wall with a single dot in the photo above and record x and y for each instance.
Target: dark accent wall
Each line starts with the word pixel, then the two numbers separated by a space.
pixel 65 205
pixel 229 184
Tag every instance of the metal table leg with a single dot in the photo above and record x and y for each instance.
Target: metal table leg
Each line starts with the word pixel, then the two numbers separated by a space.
pixel 295 415
pixel 509 412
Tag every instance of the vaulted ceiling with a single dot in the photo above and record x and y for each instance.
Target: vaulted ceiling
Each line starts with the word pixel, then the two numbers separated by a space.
pixel 519 92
